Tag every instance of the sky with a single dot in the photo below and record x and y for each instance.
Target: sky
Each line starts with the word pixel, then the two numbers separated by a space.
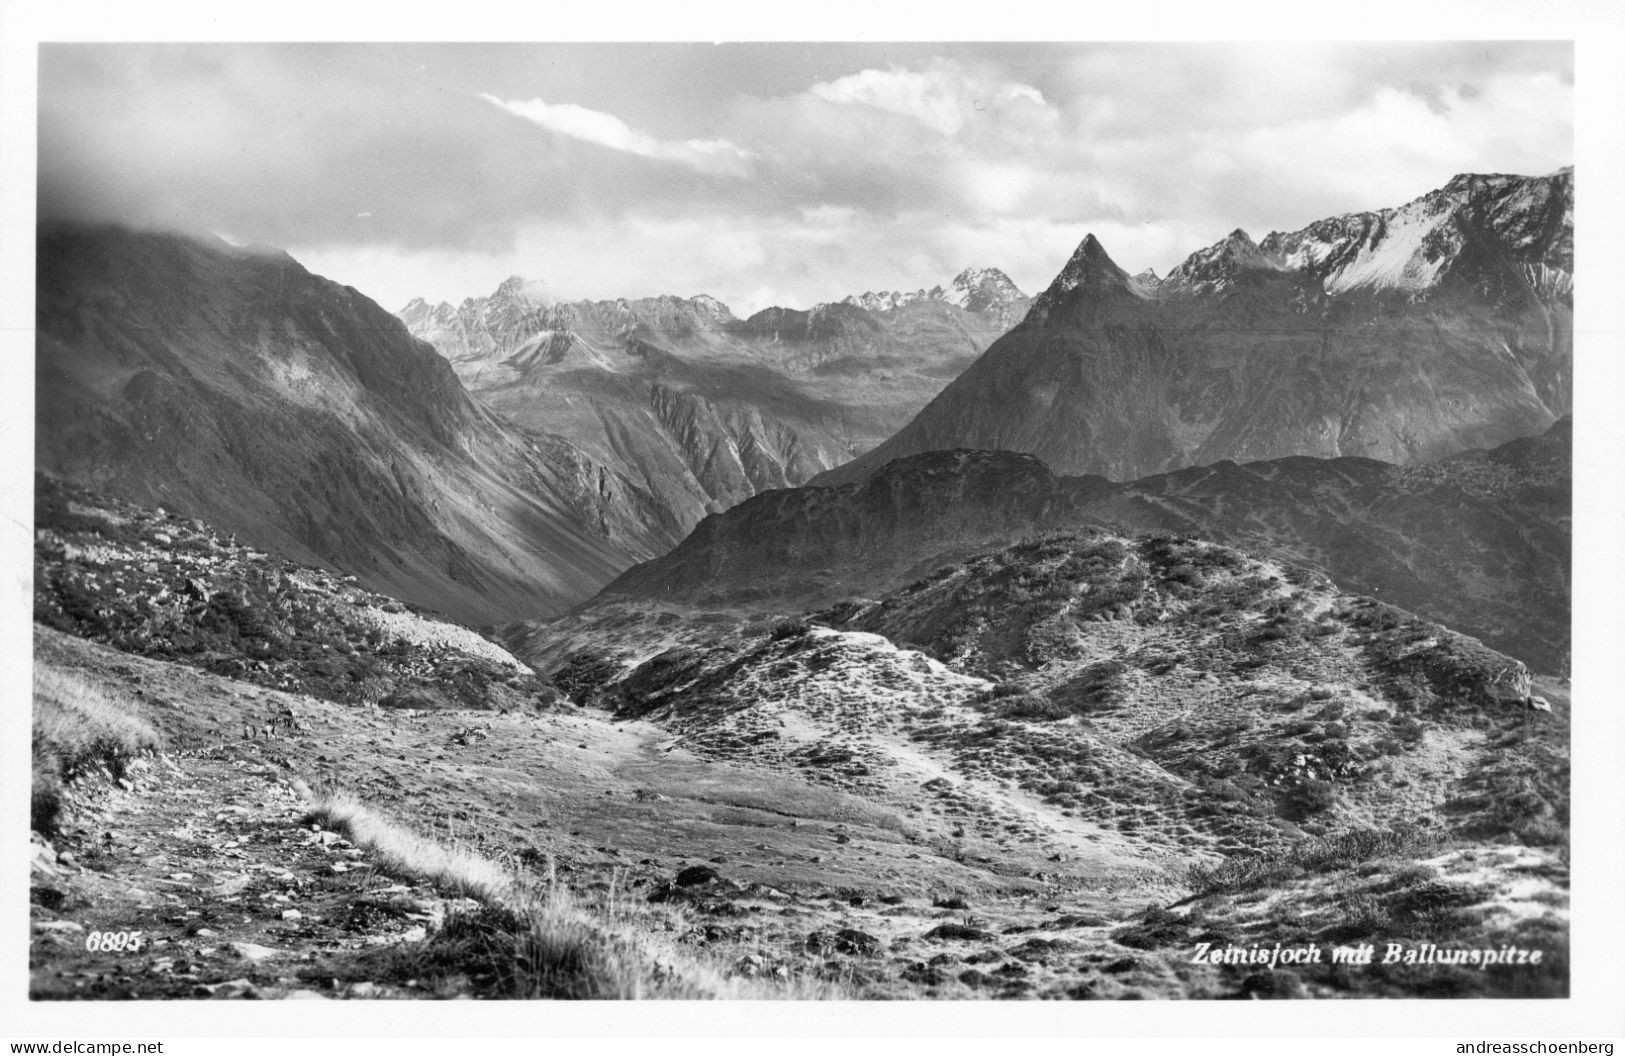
pixel 767 174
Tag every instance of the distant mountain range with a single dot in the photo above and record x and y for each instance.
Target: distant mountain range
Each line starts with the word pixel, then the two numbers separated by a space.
pixel 980 290
pixel 701 408
pixel 1407 334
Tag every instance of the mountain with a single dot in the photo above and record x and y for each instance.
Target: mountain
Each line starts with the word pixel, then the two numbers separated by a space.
pixel 231 384
pixel 983 291
pixel 1479 541
pixel 703 409
pixel 1407 334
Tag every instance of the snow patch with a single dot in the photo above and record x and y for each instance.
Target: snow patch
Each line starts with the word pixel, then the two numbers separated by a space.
pixel 1395 258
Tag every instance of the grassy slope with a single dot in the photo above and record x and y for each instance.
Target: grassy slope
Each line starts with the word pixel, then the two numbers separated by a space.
pixel 993 782
pixel 1102 694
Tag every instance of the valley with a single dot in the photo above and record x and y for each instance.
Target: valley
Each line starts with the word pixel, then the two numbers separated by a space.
pixel 944 644
pixel 703 409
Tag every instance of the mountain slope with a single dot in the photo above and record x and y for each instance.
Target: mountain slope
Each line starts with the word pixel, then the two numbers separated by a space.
pixel 1404 335
pixel 703 409
pixel 1316 767
pixel 1479 540
pixel 1049 769
pixel 233 385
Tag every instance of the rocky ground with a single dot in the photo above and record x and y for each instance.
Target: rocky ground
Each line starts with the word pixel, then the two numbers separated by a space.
pixel 1053 769
pixel 771 873
pixel 205 858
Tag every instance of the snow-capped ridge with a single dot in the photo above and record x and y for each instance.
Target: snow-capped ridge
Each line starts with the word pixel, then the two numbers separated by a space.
pixel 1408 248
pixel 527 291
pixel 976 289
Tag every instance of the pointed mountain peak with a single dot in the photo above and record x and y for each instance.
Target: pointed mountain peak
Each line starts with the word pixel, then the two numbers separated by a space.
pixel 519 288
pixel 1145 283
pixel 984 290
pixel 1091 269
pixel 1091 265
pixel 1216 267
pixel 974 276
pixel 1090 249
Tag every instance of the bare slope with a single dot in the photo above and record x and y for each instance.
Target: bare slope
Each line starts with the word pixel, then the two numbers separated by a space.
pixel 233 385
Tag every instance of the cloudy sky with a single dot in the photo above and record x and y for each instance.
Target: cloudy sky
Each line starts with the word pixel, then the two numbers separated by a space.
pixel 770 173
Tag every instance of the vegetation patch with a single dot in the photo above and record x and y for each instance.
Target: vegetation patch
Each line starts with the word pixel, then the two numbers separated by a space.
pixel 172 589
pixel 80 728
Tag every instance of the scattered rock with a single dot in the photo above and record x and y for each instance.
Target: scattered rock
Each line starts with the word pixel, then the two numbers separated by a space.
pixel 952 930
pixel 46 926
pixel 253 951
pixel 229 988
pixel 695 875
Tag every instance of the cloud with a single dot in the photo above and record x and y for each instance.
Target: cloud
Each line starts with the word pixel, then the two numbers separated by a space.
pixel 943 95
pixel 804 172
pixel 716 156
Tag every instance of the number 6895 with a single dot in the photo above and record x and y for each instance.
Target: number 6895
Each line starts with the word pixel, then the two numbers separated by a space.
pixel 113 941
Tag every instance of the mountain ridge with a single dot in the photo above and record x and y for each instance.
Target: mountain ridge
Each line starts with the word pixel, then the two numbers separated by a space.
pixel 236 385
pixel 701 408
pixel 1442 325
pixel 1478 541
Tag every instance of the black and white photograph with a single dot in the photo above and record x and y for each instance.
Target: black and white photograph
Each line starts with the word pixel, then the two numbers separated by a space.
pixel 1082 521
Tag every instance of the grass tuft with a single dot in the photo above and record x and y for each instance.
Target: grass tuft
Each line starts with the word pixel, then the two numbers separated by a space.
pixel 530 938
pixel 402 852
pixel 79 726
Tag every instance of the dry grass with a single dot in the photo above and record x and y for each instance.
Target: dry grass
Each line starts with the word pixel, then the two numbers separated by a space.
pixel 402 852
pixel 79 726
pixel 533 938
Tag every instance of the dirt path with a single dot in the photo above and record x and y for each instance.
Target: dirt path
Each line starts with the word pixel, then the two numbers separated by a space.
pixel 206 858
pixel 1091 844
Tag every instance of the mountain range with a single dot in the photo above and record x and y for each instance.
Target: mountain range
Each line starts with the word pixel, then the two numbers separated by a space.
pixel 703 409
pixel 1406 334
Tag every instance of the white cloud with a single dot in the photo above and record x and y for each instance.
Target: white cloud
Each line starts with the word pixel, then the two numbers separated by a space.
pixel 837 168
pixel 715 156
pixel 942 95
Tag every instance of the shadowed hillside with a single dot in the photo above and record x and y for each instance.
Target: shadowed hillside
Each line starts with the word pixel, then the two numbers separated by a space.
pixel 1479 540
pixel 232 385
